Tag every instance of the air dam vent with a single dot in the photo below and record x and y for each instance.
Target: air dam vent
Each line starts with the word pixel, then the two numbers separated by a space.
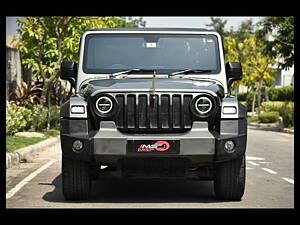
pixel 153 167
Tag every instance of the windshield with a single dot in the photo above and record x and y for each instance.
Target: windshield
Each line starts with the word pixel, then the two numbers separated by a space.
pixel 165 53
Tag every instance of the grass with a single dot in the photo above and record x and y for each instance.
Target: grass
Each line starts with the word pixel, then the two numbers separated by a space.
pixel 50 133
pixel 252 119
pixel 16 142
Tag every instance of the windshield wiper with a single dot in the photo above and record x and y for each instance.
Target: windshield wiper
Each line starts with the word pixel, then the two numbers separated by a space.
pixel 130 71
pixel 189 71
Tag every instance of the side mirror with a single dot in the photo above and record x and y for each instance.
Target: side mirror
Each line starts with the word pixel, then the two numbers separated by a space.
pixel 234 72
pixel 68 71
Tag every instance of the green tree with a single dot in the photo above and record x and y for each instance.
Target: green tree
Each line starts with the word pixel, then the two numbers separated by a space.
pixel 239 35
pixel 246 27
pixel 47 41
pixel 256 66
pixel 218 24
pixel 130 22
pixel 278 36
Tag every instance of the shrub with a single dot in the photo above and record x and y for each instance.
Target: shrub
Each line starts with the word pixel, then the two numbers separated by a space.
pixel 18 118
pixel 285 110
pixel 43 117
pixel 272 106
pixel 27 94
pixel 249 100
pixel 55 116
pixel 252 119
pixel 287 114
pixel 288 119
pixel 268 117
pixel 242 96
pixel 275 94
pixel 281 94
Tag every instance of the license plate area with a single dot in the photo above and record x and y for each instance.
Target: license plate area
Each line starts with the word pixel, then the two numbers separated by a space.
pixel 153 146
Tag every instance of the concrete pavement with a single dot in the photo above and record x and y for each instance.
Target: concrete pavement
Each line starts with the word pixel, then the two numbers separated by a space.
pixel 269 182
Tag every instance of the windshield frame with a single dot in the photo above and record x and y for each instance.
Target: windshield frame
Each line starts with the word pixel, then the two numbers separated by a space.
pixel 158 71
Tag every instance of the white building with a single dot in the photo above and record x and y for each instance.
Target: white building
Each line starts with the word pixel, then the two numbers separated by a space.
pixel 284 78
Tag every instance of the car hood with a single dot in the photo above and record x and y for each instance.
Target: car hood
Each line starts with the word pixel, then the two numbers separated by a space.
pixel 145 85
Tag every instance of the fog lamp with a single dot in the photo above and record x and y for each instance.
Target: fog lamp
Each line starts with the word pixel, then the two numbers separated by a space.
pixel 229 146
pixel 77 145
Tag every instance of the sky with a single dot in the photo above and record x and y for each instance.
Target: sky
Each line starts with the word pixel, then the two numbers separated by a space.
pixel 174 21
pixel 193 21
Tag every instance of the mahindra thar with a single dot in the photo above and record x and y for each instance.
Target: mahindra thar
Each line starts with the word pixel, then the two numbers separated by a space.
pixel 152 103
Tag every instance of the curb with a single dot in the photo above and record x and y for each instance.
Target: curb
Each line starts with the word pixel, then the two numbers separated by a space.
pixel 15 157
pixel 287 130
pixel 271 127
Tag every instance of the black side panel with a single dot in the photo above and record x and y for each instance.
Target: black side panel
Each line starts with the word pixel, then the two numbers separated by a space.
pixel 86 154
pixel 65 109
pixel 76 129
pixel 236 131
pixel 242 126
pixel 75 126
pixel 242 110
pixel 240 143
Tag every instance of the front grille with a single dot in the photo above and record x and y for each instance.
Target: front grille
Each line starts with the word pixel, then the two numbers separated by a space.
pixel 160 113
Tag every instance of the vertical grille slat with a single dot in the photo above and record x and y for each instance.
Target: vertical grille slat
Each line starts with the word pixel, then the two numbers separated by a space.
pixel 153 111
pixel 141 112
pixel 170 111
pixel 176 111
pixel 165 111
pixel 131 111
pixel 120 120
pixel 137 124
pixel 182 111
pixel 159 124
pixel 148 111
pixel 125 112
pixel 186 111
pixel 142 105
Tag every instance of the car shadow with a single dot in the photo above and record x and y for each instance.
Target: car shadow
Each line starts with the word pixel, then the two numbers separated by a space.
pixel 141 191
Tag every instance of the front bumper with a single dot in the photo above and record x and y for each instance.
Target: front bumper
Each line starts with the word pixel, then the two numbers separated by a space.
pixel 108 145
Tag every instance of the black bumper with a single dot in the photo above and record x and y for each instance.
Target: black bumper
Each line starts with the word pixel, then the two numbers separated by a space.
pixel 80 129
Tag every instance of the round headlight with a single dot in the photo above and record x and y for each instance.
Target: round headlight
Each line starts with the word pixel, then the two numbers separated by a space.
pixel 104 104
pixel 203 105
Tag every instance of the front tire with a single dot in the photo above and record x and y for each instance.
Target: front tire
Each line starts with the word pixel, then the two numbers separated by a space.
pixel 230 179
pixel 76 181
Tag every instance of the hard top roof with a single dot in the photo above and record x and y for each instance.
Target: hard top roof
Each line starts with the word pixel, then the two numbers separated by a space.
pixel 153 29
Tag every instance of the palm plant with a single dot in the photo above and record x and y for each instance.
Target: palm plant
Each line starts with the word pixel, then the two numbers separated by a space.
pixel 26 94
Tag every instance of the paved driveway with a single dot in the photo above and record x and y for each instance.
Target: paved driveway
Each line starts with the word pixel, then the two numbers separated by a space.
pixel 269 182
